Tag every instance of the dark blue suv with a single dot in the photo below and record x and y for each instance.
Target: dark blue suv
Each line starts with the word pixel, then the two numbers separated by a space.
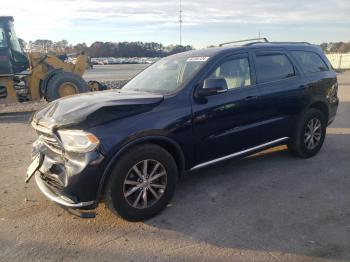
pixel 187 111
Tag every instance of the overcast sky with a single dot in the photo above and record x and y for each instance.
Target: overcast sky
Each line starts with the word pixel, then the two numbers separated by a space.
pixel 206 22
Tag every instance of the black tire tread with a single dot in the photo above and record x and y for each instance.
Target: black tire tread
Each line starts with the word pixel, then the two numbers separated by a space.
pixel 296 146
pixel 117 204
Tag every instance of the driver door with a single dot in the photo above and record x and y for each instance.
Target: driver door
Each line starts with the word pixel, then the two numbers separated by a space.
pixel 227 123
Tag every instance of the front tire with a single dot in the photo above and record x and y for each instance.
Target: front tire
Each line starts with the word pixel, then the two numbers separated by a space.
pixel 141 183
pixel 309 134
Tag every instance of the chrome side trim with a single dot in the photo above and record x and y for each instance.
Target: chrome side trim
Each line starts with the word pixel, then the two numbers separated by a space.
pixel 64 201
pixel 239 153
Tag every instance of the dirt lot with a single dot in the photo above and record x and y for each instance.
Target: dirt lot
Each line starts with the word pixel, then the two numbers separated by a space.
pixel 269 206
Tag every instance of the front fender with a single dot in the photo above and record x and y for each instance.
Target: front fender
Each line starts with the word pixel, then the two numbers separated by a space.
pixel 157 139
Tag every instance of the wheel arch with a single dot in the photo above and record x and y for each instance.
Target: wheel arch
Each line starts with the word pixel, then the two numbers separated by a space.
pixel 322 106
pixel 165 142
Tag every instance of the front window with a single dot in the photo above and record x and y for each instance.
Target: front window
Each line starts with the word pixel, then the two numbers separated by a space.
pixel 167 75
pixel 236 72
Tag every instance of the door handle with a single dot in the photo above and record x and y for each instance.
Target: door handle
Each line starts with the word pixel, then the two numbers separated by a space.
pixel 250 98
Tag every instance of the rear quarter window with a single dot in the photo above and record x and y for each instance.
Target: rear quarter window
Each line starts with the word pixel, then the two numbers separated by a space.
pixel 310 62
pixel 273 67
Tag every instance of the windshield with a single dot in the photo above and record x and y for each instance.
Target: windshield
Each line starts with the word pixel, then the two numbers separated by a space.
pixel 167 75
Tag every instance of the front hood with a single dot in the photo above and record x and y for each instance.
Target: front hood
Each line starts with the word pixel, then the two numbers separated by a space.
pixel 91 109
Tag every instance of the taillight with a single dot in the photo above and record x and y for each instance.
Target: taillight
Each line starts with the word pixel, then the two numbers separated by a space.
pixel 333 92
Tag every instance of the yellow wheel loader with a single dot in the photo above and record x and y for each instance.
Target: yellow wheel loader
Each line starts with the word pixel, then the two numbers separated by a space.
pixel 34 76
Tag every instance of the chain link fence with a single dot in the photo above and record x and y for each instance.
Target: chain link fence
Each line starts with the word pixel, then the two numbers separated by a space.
pixel 339 61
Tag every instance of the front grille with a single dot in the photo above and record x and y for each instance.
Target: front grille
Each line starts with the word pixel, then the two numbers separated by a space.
pixel 51 142
pixel 48 138
pixel 52 171
pixel 52 180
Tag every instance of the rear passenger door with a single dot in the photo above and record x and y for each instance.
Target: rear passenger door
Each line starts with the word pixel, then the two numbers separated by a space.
pixel 281 92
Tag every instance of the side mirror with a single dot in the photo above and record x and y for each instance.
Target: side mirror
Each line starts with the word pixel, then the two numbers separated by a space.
pixel 212 86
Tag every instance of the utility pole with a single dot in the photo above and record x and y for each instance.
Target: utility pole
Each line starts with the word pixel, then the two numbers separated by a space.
pixel 180 21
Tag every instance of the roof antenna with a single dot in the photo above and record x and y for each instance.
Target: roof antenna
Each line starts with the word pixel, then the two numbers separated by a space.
pixel 180 21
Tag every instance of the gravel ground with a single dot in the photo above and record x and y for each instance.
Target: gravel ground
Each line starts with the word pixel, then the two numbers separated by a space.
pixel 269 206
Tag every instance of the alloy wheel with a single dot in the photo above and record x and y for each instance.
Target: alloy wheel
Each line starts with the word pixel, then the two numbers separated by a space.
pixel 145 184
pixel 313 133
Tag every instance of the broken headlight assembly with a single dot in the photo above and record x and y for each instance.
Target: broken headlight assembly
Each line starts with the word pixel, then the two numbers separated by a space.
pixel 78 141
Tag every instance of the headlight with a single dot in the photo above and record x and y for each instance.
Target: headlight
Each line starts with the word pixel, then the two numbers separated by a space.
pixel 78 141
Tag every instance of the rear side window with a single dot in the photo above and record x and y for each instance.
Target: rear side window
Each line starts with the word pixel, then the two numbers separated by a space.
pixel 272 67
pixel 310 61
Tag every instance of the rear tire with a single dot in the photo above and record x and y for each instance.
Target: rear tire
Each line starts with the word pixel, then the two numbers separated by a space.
pixel 309 134
pixel 63 84
pixel 132 194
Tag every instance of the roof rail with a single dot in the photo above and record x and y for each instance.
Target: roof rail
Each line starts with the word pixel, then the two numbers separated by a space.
pixel 290 43
pixel 246 40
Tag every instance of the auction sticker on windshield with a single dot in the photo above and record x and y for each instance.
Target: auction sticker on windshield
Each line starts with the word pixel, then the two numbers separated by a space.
pixel 198 59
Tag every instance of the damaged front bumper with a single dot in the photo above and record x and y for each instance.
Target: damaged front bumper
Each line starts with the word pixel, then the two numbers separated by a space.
pixel 68 179
pixel 59 197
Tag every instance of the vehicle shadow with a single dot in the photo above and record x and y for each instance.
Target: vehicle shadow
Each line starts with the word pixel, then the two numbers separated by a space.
pixel 267 202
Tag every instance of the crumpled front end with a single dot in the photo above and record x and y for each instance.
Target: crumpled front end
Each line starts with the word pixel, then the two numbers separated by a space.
pixel 67 178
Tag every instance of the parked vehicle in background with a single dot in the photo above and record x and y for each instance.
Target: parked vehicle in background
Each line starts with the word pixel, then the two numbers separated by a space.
pixel 123 60
pixel 185 112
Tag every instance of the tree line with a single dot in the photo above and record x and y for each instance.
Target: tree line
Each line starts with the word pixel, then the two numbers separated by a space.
pixel 336 47
pixel 105 49
pixel 133 49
